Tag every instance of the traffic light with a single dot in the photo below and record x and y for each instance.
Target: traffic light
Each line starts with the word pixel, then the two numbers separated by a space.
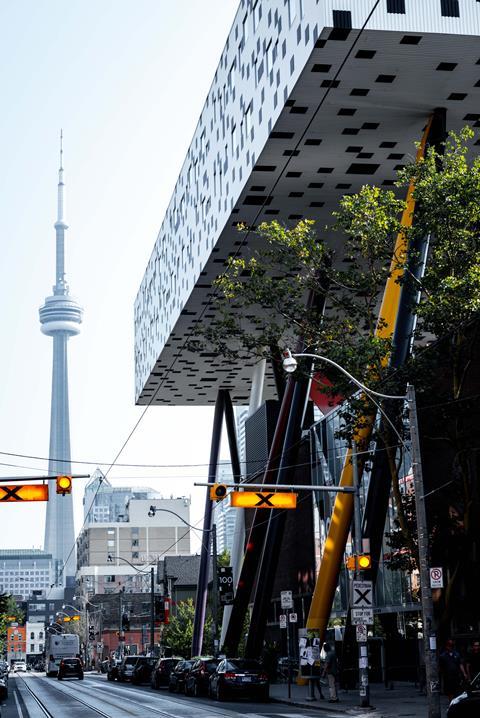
pixel 91 633
pixel 125 622
pixel 218 492
pixel 160 609
pixel 64 485
pixel 360 562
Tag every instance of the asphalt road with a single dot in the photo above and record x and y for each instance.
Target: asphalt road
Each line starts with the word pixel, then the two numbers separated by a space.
pixel 32 695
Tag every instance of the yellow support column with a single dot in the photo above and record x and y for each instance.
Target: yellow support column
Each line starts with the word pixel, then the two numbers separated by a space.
pixel 341 519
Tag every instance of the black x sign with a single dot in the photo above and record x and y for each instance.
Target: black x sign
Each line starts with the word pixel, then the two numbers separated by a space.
pixel 363 596
pixel 10 493
pixel 264 499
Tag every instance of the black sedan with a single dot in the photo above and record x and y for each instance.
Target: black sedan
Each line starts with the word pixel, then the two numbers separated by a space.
pixel 176 680
pixel 70 668
pixel 198 678
pixel 161 672
pixel 467 704
pixel 143 670
pixel 239 677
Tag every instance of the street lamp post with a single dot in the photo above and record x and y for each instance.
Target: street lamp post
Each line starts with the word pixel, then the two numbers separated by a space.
pixel 213 532
pixel 110 558
pixel 429 635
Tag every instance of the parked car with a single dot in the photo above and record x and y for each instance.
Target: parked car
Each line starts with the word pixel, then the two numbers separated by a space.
pixel 125 669
pixel 198 678
pixel 3 686
pixel 176 680
pixel 143 669
pixel 161 672
pixel 70 668
pixel 467 704
pixel 239 677
pixel 112 669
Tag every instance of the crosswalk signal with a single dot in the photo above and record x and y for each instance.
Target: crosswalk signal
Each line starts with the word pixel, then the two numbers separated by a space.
pixel 64 485
pixel 218 492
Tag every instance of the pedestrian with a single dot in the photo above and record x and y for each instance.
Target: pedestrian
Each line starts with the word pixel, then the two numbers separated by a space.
pixel 473 660
pixel 316 680
pixel 452 670
pixel 330 671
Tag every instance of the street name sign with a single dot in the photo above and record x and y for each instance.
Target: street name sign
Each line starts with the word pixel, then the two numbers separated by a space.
pixel 263 499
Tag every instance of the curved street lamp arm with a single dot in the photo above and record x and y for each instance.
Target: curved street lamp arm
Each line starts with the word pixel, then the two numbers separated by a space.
pixel 347 374
pixel 154 509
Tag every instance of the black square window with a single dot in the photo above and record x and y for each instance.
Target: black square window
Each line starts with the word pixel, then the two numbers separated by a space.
pixel 346 111
pixel 342 24
pixel 459 96
pixel 410 39
pixel 446 66
pixel 450 8
pixel 359 92
pixel 321 68
pixel 366 54
pixel 397 6
pixel 385 78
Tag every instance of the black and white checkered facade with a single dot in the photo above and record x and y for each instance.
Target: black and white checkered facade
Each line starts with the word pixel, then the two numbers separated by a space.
pixel 311 99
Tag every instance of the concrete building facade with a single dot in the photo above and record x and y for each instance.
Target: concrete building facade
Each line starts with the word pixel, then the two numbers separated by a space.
pixel 23 571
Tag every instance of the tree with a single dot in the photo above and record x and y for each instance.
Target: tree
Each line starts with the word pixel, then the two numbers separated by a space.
pixel 179 631
pixel 8 608
pixel 274 287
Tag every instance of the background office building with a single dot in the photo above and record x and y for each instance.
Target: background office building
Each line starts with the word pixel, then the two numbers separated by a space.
pixel 23 571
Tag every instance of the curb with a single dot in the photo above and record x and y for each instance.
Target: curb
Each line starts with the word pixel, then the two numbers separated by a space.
pixel 320 706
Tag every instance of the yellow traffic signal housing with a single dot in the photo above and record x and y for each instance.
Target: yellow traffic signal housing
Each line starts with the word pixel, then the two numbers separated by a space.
pixel 64 485
pixel 364 561
pixel 359 562
pixel 218 492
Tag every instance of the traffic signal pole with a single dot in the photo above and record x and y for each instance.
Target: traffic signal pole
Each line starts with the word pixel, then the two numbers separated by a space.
pixel 363 686
pixel 152 611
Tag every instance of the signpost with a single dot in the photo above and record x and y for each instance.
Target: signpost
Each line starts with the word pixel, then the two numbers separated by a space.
pixel 436 577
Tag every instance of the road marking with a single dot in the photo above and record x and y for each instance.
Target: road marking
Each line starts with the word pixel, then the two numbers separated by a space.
pixel 20 712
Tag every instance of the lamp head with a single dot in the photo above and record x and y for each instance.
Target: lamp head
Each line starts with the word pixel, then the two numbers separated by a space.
pixel 110 558
pixel 289 362
pixel 152 511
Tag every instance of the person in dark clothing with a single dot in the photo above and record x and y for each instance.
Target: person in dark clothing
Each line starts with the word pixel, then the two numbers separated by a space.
pixel 330 671
pixel 473 661
pixel 452 670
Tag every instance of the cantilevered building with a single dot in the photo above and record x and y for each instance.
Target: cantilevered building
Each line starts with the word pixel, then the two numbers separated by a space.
pixel 310 100
pixel 60 317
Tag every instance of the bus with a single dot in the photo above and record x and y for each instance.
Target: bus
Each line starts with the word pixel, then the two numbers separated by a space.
pixel 58 646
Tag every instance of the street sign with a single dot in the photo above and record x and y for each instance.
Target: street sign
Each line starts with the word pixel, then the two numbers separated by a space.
pixel 436 578
pixel 225 585
pixel 292 617
pixel 362 615
pixel 362 632
pixel 362 595
pixel 286 599
pixel 24 492
pixel 263 499
pixel 282 620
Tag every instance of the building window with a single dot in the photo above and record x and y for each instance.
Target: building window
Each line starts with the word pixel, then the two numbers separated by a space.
pixel 396 6
pixel 32 636
pixel 40 647
pixel 248 121
pixel 32 648
pixel 110 543
pixel 111 532
pixel 231 77
pixel 109 579
pixel 450 8
pixel 134 542
pixel 40 635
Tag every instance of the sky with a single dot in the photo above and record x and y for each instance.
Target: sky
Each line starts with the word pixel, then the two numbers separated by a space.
pixel 126 80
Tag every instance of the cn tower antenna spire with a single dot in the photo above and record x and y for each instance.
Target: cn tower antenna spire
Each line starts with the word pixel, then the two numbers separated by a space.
pixel 60 223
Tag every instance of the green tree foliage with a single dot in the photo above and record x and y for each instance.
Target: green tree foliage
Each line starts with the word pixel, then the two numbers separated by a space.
pixel 8 608
pixel 275 283
pixel 179 632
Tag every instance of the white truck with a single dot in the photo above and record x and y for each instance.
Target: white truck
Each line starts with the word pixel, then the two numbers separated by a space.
pixel 58 646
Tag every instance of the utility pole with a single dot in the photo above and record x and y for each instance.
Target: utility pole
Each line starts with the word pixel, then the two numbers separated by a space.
pixel 121 634
pixel 152 611
pixel 429 633
pixel 215 589
pixel 363 685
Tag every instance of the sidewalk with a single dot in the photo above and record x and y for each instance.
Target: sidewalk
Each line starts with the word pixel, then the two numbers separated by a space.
pixel 404 701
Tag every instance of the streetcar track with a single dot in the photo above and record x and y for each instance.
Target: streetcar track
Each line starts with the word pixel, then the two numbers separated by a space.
pixel 48 713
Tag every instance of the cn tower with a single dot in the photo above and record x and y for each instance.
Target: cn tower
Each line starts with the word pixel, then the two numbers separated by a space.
pixel 60 317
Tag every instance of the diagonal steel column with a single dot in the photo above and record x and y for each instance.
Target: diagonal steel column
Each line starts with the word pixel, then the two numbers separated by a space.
pixel 202 587
pixel 380 483
pixel 327 578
